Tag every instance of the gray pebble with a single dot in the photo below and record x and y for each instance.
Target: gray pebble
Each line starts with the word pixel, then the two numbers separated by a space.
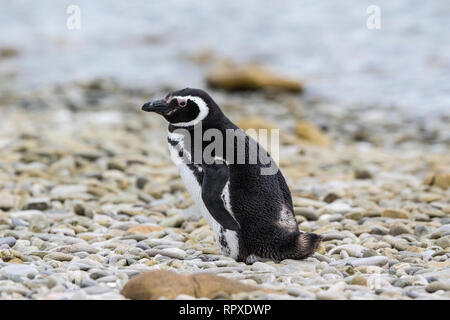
pixel 38 204
pixel 97 289
pixel 82 266
pixel 79 247
pixel 173 222
pixel 401 283
pixel 16 269
pixel 421 230
pixel 331 270
pixel 82 255
pixel 414 294
pixel 321 257
pixel 333 235
pixel 262 267
pixel 59 256
pixel 168 252
pixel 99 273
pixel 16 222
pixel 131 273
pixel 370 261
pixel 142 219
pixel 440 232
pixel 413 270
pixel 114 259
pixel 142 245
pixel 87 282
pixel 10 241
pixel 107 279
pixel 354 250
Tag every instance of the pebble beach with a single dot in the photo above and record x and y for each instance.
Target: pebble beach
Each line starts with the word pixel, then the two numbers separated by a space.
pixel 89 199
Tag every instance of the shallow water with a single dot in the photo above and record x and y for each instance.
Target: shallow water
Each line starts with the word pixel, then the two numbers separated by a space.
pixel 326 44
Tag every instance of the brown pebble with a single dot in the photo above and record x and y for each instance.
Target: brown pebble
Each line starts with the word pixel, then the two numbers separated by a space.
pixel 437 285
pixel 311 133
pixel 359 280
pixel 362 174
pixel 396 214
pixel 144 229
pixel 331 197
pixel 15 260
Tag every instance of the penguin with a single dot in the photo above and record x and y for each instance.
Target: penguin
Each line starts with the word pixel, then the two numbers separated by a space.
pixel 250 211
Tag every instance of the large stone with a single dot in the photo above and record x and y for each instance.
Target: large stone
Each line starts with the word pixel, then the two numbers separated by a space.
pixel 309 132
pixel 161 283
pixel 231 77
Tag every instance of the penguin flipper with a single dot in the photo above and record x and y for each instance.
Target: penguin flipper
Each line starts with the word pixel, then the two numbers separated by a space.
pixel 215 177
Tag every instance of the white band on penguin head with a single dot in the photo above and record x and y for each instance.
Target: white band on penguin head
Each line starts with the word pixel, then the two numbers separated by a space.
pixel 202 106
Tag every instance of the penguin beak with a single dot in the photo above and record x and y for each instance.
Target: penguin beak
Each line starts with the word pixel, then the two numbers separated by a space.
pixel 158 106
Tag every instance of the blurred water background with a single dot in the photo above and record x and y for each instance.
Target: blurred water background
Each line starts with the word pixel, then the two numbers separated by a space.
pixel 326 44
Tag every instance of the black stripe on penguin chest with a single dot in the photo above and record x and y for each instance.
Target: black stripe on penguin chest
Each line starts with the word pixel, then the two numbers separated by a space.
pixel 194 168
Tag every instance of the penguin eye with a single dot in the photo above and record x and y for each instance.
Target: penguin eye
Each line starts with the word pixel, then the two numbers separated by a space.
pixel 182 103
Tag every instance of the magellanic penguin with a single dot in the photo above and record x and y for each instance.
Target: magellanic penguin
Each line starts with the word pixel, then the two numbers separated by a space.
pixel 250 210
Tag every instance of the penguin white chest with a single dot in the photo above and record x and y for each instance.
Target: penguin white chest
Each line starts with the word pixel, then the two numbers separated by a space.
pixel 227 240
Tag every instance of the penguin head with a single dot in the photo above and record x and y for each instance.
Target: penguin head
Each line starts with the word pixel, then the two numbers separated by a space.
pixel 184 108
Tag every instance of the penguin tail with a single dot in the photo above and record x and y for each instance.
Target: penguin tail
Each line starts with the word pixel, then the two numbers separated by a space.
pixel 306 244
